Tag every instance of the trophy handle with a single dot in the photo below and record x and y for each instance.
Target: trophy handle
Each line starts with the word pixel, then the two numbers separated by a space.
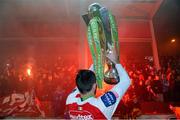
pixel 96 43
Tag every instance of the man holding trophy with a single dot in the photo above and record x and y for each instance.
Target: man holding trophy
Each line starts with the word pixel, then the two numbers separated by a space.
pixel 104 46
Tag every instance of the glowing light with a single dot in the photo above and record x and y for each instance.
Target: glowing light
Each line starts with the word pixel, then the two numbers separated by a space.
pixel 29 72
pixel 173 40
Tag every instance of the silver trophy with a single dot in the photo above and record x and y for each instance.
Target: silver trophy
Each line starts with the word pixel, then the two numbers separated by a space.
pixel 103 43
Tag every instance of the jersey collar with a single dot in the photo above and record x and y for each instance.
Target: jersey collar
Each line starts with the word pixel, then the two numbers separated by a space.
pixel 85 97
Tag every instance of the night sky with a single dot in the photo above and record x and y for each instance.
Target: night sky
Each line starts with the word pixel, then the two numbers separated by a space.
pixel 167 27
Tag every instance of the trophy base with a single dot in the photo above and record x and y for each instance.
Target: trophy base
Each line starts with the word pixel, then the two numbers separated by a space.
pixel 111 75
pixel 111 81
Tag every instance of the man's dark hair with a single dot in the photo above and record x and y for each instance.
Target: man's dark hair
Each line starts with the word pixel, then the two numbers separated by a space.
pixel 85 80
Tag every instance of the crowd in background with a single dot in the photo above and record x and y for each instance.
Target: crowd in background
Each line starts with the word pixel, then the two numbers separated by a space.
pixel 42 75
pixel 54 81
pixel 160 84
pixel 51 81
pixel 150 84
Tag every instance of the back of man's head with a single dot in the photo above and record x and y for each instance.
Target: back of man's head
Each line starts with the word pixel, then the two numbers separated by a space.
pixel 85 80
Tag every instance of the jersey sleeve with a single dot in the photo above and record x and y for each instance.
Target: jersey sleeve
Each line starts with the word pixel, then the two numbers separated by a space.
pixel 110 100
pixel 72 96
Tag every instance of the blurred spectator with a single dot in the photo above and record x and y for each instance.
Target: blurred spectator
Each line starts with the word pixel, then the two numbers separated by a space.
pixel 57 101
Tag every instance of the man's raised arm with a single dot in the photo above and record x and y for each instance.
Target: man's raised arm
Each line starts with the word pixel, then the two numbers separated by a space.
pixel 112 98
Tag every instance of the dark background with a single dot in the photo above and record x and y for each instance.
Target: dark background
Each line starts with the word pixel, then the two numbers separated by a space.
pixel 167 27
